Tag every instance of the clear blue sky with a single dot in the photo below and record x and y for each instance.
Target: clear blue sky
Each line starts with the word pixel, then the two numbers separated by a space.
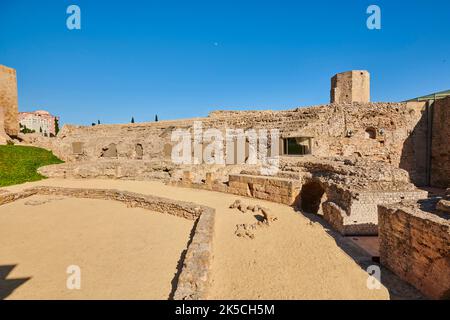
pixel 181 59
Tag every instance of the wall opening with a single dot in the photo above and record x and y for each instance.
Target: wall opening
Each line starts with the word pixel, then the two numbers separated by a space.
pixel 371 133
pixel 311 197
pixel 298 146
pixel 139 151
pixel 109 151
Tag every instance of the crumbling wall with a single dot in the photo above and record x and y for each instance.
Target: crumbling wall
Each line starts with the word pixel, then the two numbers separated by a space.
pixel 376 131
pixel 415 245
pixel 8 100
pixel 440 150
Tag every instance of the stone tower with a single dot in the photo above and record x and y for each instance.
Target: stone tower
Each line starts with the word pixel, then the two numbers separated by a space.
pixel 8 101
pixel 350 86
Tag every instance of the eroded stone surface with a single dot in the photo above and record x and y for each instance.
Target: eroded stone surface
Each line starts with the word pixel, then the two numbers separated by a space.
pixel 415 244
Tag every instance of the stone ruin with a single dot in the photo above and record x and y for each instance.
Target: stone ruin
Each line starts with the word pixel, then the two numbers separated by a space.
pixel 351 158
pixel 9 114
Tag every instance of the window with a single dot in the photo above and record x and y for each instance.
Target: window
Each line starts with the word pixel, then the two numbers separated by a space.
pixel 371 133
pixel 297 146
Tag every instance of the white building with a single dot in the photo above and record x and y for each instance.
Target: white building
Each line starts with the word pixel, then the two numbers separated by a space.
pixel 40 121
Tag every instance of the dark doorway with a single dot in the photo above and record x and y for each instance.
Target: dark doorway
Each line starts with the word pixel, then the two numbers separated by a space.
pixel 311 197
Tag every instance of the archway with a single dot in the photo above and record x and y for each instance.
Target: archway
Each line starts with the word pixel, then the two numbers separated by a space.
pixel 311 197
pixel 139 151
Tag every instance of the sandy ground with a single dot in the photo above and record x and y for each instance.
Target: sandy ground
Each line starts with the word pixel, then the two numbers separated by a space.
pixel 122 253
pixel 294 258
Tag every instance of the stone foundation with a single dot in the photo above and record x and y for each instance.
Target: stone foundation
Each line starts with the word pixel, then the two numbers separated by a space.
pixel 272 189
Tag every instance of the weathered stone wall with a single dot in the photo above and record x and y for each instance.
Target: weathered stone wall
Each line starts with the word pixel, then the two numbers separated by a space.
pixel 375 131
pixel 3 136
pixel 351 86
pixel 273 189
pixel 361 217
pixel 8 100
pixel 440 150
pixel 415 245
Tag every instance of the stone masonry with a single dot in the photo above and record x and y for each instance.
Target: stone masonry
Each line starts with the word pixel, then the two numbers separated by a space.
pixel 351 86
pixel 415 244
pixel 8 101
pixel 440 154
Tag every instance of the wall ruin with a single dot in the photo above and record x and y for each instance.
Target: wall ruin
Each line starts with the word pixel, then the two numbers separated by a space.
pixel 8 100
pixel 337 130
pixel 351 86
pixel 415 245
pixel 440 154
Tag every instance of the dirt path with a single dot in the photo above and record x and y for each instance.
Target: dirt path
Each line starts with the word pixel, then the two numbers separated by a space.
pixel 294 258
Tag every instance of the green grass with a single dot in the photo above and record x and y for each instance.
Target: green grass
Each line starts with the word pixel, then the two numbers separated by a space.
pixel 18 164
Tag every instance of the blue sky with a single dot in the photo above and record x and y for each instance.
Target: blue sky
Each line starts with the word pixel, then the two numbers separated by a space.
pixel 181 59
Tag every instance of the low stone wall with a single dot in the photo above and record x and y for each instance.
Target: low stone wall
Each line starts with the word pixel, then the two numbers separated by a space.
pixel 110 169
pixel 273 189
pixel 361 218
pixel 415 245
pixel 194 280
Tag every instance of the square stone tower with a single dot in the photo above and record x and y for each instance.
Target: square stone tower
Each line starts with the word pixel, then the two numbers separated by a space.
pixel 8 101
pixel 350 86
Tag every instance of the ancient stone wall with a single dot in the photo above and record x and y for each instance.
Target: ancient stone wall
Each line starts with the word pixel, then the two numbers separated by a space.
pixel 377 131
pixel 3 136
pixel 8 100
pixel 440 150
pixel 351 86
pixel 415 245
pixel 361 218
pixel 273 189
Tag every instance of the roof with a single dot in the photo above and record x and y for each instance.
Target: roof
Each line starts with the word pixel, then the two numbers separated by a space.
pixel 433 96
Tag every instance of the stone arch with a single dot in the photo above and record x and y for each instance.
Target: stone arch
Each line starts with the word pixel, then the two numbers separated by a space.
pixel 311 197
pixel 139 151
pixel 110 151
pixel 371 133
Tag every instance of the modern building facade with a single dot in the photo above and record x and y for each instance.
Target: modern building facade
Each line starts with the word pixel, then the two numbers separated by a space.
pixel 40 121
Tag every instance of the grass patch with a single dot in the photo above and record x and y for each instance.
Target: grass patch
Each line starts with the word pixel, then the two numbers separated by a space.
pixel 18 164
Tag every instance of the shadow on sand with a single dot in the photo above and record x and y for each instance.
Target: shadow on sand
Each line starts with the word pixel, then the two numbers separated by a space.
pixel 398 289
pixel 7 286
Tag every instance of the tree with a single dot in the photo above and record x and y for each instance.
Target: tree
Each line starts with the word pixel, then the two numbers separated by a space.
pixel 93 123
pixel 25 130
pixel 56 126
pixel 132 119
pixel 156 118
pixel 98 121
pixel 40 129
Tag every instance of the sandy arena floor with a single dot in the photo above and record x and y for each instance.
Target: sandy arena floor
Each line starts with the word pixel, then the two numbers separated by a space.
pixel 292 259
pixel 123 253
